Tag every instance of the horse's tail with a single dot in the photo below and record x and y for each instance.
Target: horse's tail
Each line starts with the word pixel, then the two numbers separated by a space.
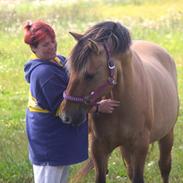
pixel 82 172
pixel 151 149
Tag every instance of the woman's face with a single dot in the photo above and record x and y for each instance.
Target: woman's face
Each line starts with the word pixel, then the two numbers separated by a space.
pixel 46 49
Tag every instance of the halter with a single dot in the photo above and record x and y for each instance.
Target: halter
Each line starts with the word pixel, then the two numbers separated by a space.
pixel 94 95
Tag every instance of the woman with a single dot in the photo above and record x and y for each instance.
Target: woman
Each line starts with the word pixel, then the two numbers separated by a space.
pixel 53 145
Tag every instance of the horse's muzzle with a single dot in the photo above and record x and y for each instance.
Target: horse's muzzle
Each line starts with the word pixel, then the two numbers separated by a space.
pixel 75 117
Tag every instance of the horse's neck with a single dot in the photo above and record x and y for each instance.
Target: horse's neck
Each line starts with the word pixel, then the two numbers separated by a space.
pixel 127 75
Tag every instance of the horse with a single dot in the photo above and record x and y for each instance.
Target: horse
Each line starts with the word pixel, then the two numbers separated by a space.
pixel 107 63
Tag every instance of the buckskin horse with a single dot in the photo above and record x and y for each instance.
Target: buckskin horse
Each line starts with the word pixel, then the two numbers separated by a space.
pixel 105 62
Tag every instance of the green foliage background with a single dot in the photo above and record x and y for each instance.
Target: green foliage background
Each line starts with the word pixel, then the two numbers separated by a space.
pixel 160 21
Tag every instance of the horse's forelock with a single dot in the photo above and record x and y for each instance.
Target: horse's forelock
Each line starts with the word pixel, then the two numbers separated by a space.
pixel 79 55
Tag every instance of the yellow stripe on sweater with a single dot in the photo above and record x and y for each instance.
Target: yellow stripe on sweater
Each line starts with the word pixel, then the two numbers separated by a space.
pixel 56 59
pixel 33 105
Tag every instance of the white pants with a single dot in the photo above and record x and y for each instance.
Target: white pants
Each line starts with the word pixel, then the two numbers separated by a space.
pixel 50 174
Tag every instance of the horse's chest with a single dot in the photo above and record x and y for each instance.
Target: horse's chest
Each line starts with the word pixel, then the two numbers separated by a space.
pixel 114 132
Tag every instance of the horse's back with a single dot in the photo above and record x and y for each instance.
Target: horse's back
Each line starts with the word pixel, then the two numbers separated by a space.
pixel 160 72
pixel 156 61
pixel 152 53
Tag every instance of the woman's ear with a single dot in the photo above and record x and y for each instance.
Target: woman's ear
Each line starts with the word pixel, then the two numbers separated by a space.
pixel 33 49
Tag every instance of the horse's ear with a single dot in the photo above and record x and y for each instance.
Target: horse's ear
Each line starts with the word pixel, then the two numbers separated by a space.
pixel 76 36
pixel 94 46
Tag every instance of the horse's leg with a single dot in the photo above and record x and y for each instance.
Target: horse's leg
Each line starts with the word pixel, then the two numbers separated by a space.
pixel 100 157
pixel 165 146
pixel 138 157
pixel 127 157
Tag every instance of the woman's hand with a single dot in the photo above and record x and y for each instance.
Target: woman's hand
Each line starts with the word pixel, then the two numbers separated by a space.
pixel 105 106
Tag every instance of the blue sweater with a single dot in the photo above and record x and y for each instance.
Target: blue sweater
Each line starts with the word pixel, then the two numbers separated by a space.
pixel 51 142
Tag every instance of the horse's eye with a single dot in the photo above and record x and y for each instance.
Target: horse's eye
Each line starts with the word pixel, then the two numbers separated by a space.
pixel 88 76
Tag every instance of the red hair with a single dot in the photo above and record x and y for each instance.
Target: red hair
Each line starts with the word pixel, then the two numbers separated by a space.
pixel 37 31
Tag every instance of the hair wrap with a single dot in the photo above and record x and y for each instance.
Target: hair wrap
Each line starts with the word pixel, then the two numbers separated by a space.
pixel 36 31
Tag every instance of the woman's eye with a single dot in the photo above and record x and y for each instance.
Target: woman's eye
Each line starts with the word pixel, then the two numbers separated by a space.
pixel 89 76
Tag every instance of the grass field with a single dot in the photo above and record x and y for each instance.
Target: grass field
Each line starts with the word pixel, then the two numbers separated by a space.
pixel 159 21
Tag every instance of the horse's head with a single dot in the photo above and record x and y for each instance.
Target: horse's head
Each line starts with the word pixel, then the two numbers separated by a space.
pixel 91 69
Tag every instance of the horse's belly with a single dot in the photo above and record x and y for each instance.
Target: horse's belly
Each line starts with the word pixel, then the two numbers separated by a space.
pixel 164 102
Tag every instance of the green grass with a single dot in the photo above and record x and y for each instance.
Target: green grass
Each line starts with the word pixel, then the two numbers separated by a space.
pixel 159 21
